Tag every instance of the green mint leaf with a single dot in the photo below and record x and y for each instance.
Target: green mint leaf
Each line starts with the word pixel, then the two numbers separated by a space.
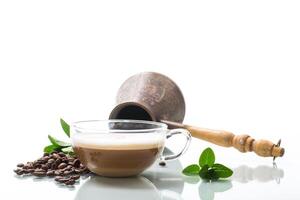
pixel 50 148
pixel 213 175
pixel 57 142
pixel 191 170
pixel 207 158
pixel 222 171
pixel 207 173
pixel 68 150
pixel 203 173
pixel 65 127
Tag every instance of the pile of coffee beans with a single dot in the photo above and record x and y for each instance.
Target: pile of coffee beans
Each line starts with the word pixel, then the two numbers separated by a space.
pixel 64 168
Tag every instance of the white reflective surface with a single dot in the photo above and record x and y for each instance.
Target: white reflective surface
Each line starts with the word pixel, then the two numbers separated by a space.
pixel 249 181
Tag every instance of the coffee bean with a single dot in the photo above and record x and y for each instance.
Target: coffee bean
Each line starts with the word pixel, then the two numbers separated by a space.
pixel 39 173
pixel 53 152
pixel 30 170
pixel 58 172
pixel 20 172
pixel 28 166
pixel 76 163
pixel 58 161
pixel 84 170
pixel 46 154
pixel 62 165
pixel 77 171
pixel 44 167
pixel 67 173
pixel 20 165
pixel 55 156
pixel 68 167
pixel 41 161
pixel 39 170
pixel 51 160
pixel 61 154
pixel 57 178
pixel 36 165
pixel 63 180
pixel 46 158
pixel 70 182
pixel 54 165
pixel 75 177
pixel 50 173
pixel 70 162
pixel 48 165
pixel 162 163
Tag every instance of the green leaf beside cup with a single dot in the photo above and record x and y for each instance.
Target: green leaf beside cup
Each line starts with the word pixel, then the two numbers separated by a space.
pixel 59 145
pixel 207 168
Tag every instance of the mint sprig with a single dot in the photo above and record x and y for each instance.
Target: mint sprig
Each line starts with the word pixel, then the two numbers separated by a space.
pixel 207 168
pixel 59 145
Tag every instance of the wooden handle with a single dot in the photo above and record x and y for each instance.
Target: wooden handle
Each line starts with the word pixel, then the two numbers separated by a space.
pixel 243 143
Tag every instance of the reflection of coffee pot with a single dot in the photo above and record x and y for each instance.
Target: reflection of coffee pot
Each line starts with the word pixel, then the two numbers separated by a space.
pixel 153 96
pixel 262 173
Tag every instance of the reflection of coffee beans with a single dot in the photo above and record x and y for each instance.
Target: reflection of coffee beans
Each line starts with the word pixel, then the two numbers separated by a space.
pixel 118 155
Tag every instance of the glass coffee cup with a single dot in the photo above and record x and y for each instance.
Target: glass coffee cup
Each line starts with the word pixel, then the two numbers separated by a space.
pixel 122 148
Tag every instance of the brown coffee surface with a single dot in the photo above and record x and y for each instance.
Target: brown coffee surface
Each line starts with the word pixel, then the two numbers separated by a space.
pixel 117 162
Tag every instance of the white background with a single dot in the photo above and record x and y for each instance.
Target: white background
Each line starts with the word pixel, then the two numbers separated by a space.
pixel 237 63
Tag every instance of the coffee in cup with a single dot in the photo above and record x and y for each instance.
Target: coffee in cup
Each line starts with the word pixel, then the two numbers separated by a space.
pixel 121 148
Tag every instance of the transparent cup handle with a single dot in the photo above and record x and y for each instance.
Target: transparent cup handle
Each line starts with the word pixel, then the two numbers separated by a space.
pixel 187 143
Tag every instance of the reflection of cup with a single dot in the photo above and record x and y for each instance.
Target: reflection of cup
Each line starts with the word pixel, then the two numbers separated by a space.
pixel 163 182
pixel 168 180
pixel 135 188
pixel 122 148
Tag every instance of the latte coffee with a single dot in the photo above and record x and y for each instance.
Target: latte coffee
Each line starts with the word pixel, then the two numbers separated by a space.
pixel 118 155
pixel 122 148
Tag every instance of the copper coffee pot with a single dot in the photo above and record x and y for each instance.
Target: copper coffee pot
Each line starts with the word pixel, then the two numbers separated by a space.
pixel 155 97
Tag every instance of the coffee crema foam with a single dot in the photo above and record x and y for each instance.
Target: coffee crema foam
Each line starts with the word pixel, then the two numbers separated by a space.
pixel 118 141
